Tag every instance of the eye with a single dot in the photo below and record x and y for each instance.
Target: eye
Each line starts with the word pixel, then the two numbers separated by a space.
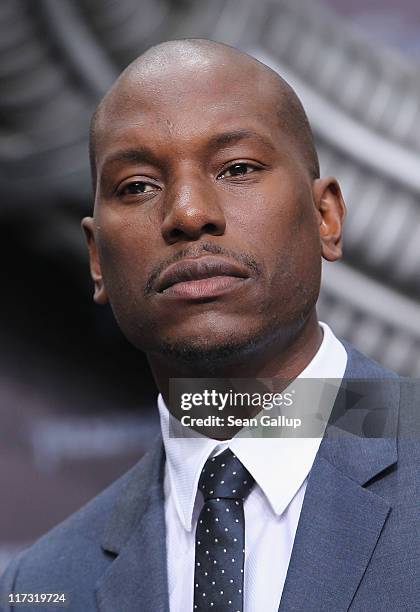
pixel 238 169
pixel 138 187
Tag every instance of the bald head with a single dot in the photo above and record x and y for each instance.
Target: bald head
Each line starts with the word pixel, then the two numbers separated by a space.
pixel 206 167
pixel 162 69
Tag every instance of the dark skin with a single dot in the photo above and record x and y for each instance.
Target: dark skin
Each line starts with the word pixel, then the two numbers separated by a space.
pixel 194 165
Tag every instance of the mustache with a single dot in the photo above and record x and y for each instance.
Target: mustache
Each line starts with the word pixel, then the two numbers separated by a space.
pixel 195 251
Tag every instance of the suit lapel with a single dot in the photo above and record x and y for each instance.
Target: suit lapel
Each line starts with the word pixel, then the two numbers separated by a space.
pixel 137 578
pixel 338 530
pixel 341 519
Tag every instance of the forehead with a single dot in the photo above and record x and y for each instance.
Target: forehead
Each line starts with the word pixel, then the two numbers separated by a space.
pixel 188 106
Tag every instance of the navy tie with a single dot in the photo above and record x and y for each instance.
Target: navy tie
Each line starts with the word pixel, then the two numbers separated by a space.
pixel 220 535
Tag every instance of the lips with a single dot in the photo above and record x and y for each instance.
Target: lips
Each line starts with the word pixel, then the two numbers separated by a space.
pixel 190 270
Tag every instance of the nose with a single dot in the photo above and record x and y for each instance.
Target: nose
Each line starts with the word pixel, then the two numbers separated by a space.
pixel 192 210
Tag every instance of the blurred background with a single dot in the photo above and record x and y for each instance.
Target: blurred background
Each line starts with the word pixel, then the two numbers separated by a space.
pixel 77 401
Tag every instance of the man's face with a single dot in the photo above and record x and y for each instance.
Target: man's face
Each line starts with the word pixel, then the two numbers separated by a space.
pixel 205 233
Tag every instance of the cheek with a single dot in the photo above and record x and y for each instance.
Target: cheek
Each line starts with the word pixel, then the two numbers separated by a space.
pixel 122 256
pixel 123 238
pixel 125 248
pixel 283 234
pixel 280 224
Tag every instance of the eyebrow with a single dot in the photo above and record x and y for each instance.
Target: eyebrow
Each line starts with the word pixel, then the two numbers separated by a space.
pixel 144 155
pixel 228 138
pixel 139 155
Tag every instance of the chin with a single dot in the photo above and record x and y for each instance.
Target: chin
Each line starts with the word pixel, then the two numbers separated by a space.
pixel 211 352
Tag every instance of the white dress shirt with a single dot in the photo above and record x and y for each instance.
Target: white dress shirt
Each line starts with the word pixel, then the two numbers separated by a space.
pixel 280 467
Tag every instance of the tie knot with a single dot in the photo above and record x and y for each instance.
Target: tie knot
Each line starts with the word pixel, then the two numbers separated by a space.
pixel 225 476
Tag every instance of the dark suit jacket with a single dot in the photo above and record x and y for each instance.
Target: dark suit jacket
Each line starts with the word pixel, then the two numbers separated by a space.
pixel 357 545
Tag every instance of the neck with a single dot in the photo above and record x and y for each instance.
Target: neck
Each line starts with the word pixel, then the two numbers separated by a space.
pixel 285 358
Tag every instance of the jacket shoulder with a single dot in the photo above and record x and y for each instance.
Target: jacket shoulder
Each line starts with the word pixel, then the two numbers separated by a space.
pixel 360 365
pixel 70 556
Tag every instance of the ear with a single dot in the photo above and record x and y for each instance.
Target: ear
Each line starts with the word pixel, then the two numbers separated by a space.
pixel 100 295
pixel 331 212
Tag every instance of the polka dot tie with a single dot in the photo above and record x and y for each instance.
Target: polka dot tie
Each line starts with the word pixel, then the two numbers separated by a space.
pixel 220 535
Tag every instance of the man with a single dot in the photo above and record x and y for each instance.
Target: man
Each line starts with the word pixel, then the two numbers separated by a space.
pixel 209 225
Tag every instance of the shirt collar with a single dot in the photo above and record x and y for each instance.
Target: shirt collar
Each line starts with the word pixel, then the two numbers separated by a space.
pixel 278 465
